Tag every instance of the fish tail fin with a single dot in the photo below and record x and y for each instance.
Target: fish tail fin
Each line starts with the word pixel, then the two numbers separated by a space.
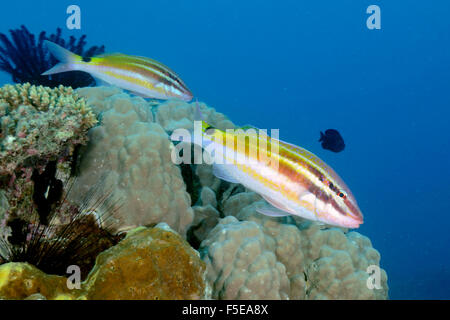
pixel 321 136
pixel 68 60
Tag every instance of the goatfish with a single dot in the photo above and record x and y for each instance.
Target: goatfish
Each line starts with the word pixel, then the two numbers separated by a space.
pixel 140 75
pixel 299 184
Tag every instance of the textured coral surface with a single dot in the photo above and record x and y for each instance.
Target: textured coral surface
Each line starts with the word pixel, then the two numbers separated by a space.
pixel 251 256
pixel 21 280
pixel 150 263
pixel 40 123
pixel 136 152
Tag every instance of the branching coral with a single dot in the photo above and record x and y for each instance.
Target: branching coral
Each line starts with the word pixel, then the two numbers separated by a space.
pixel 25 59
pixel 39 129
pixel 40 123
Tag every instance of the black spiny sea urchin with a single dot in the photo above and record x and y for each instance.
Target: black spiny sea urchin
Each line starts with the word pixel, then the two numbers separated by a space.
pixel 74 234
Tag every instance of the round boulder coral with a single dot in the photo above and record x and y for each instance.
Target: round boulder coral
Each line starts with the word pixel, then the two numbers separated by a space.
pixel 305 260
pixel 137 154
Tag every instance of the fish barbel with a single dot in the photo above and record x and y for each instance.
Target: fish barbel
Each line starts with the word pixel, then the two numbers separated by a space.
pixel 291 179
pixel 140 75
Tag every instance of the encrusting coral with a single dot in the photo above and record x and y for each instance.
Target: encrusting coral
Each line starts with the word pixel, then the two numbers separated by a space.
pixel 150 263
pixel 22 280
pixel 153 263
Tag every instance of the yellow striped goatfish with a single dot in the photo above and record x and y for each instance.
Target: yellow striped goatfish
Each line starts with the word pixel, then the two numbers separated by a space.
pixel 142 76
pixel 291 179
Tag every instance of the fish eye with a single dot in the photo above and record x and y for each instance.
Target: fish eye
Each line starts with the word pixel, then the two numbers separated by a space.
pixel 342 195
pixel 86 59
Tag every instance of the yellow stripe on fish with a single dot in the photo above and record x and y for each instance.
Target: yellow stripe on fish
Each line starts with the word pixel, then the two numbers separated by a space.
pixel 143 76
pixel 291 179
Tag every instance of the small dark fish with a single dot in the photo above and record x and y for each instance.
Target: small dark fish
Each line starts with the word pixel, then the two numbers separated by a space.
pixel 332 140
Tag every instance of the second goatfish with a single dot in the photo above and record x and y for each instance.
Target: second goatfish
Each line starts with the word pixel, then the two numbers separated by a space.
pixel 301 184
pixel 142 76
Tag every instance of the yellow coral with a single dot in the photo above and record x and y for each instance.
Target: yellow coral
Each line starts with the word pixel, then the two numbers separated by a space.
pixel 21 280
pixel 150 263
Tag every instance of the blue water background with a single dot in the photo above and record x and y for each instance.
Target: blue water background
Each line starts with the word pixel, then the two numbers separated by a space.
pixel 303 67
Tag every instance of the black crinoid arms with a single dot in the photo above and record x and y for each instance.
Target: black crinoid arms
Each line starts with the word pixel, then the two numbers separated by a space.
pixel 59 233
pixel 25 59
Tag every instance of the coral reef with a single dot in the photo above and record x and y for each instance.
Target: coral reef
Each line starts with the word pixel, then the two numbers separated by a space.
pixel 25 59
pixel 257 257
pixel 239 265
pixel 243 254
pixel 150 263
pixel 39 130
pixel 40 123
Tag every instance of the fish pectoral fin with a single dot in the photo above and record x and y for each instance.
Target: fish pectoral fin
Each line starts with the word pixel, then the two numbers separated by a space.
pixel 100 82
pixel 274 208
pixel 139 94
pixel 224 172
pixel 269 210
